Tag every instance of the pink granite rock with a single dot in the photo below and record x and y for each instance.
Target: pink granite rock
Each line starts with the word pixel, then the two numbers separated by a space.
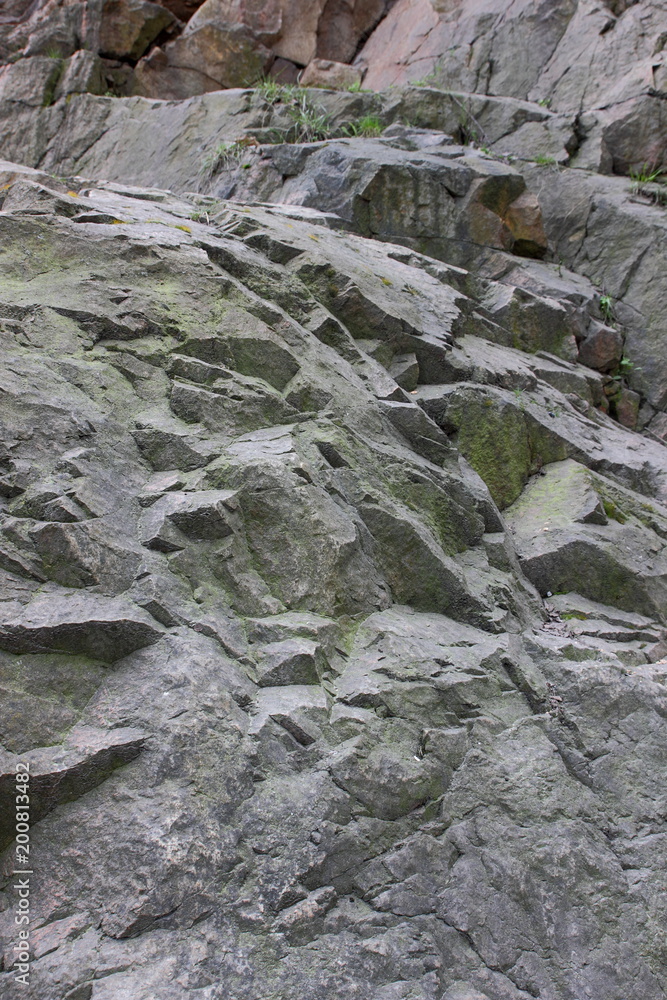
pixel 330 75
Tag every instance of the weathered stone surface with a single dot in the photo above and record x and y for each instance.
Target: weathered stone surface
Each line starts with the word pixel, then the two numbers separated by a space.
pixel 331 75
pixel 566 542
pixel 128 27
pixel 93 626
pixel 599 228
pixel 336 794
pixel 60 774
pixel 617 223
pixel 208 56
pixel 470 46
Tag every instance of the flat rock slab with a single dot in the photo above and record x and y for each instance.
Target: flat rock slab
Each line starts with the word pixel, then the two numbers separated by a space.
pixel 426 668
pixel 66 772
pixel 106 629
pixel 566 542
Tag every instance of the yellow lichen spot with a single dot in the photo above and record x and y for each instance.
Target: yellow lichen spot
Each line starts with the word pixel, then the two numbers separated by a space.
pixel 386 281
pixel 73 194
pixel 117 222
pixel 185 229
pixel 6 186
pixel 313 236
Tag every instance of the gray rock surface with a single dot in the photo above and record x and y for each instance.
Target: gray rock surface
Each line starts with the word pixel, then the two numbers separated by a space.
pixel 333 500
pixel 325 737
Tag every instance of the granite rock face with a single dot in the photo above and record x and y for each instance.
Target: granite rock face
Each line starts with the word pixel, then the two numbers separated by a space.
pixel 178 48
pixel 285 509
pixel 333 500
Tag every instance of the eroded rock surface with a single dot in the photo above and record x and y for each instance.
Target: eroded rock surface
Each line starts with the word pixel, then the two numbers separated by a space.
pixel 333 498
pixel 301 696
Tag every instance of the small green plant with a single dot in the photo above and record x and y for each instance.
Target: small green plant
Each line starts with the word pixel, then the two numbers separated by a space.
pixel 309 122
pixel 199 215
pixel 368 127
pixel 275 92
pixel 655 176
pixel 647 175
pixel 425 81
pixel 544 161
pixel 613 512
pixel 625 369
pixel 225 155
pixel 355 88
pixel 53 52
pixel 607 308
pixel 544 102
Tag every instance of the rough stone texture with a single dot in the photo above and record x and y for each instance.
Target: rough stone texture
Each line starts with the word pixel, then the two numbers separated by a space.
pixel 207 56
pixel 333 602
pixel 354 753
pixel 189 47
pixel 129 26
pixel 63 773
pixel 331 75
pixel 599 67
pixel 390 187
pixel 576 55
pixel 559 517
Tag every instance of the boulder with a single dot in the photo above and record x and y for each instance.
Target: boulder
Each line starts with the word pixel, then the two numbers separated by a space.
pixel 602 348
pixel 290 661
pixel 567 542
pixel 209 56
pixel 128 27
pixel 330 75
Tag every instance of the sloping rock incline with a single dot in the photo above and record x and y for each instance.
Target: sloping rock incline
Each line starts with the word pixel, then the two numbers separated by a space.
pixel 283 507
pixel 493 184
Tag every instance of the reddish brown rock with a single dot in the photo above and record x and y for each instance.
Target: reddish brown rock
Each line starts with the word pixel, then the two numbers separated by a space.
pixel 284 71
pixel 406 32
pixel 264 21
pixel 129 26
pixel 524 221
pixel 182 9
pixel 343 24
pixel 288 26
pixel 602 349
pixel 330 75
pixel 209 58
pixel 627 407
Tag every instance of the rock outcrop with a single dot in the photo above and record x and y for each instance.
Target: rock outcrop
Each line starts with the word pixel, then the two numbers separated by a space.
pixel 333 502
